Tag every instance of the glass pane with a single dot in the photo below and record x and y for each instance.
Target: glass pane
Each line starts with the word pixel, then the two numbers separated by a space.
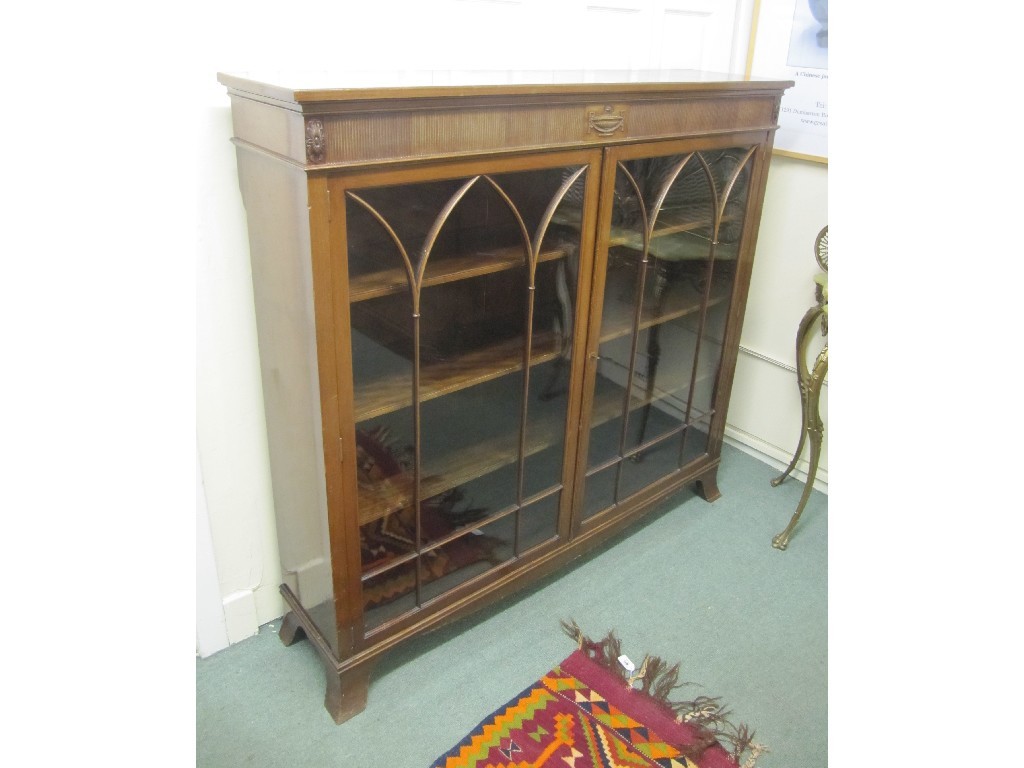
pixel 463 302
pixel 659 378
pixel 538 522
pixel 411 210
pixel 381 316
pixel 731 175
pixel 653 463
pixel 552 212
pixel 696 443
pixel 468 556
pixel 471 433
pixel 389 594
pixel 599 491
pixel 545 426
pixel 606 422
pixel 731 169
pixel 624 282
pixel 710 358
pixel 675 228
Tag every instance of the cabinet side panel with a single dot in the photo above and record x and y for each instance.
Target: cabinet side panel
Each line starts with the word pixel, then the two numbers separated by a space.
pixel 276 130
pixel 276 206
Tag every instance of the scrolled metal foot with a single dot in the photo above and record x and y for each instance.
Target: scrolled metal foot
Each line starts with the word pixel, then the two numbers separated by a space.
pixel 781 540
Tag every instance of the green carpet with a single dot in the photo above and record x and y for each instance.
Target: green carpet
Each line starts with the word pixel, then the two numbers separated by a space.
pixel 697 583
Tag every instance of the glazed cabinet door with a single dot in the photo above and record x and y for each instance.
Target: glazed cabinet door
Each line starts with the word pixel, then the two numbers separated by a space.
pixel 672 227
pixel 462 286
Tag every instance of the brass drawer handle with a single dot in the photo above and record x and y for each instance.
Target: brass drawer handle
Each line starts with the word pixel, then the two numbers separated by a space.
pixel 606 124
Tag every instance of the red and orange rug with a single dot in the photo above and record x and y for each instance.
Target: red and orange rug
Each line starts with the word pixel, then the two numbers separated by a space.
pixel 593 711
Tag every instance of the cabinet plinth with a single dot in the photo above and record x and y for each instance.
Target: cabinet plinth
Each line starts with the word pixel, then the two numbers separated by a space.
pixel 496 326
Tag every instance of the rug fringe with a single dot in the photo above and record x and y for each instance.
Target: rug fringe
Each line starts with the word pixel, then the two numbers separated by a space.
pixel 572 629
pixel 658 680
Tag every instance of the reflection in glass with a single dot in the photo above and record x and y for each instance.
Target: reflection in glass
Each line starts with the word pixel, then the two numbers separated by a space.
pixel 389 594
pixel 599 490
pixel 463 301
pixel 659 459
pixel 696 444
pixel 676 223
pixel 471 554
pixel 538 523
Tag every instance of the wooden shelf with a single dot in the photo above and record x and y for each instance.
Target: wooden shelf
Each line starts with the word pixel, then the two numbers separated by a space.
pixel 474 461
pixel 609 404
pixel 455 469
pixel 389 394
pixel 444 270
pixel 669 223
pixel 394 393
pixel 683 299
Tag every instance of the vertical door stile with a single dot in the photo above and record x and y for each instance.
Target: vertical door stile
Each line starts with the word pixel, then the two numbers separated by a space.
pixel 594 262
pixel 344 550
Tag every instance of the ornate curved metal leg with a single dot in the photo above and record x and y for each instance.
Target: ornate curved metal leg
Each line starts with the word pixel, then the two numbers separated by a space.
pixel 815 431
pixel 804 428
pixel 803 340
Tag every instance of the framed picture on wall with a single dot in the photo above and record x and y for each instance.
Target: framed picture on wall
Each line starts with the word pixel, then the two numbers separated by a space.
pixel 789 40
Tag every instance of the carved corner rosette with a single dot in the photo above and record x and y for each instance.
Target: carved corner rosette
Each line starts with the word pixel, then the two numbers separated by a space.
pixel 316 143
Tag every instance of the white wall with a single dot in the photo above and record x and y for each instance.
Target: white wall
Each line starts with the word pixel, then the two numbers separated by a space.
pixel 231 435
pixel 764 412
pixel 461 35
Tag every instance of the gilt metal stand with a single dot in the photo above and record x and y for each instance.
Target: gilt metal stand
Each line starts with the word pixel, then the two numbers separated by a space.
pixel 810 381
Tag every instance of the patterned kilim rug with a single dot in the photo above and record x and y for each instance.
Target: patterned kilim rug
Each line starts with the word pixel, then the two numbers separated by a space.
pixel 595 711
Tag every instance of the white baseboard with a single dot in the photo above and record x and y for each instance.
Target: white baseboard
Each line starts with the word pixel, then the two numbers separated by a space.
pixel 240 615
pixel 211 629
